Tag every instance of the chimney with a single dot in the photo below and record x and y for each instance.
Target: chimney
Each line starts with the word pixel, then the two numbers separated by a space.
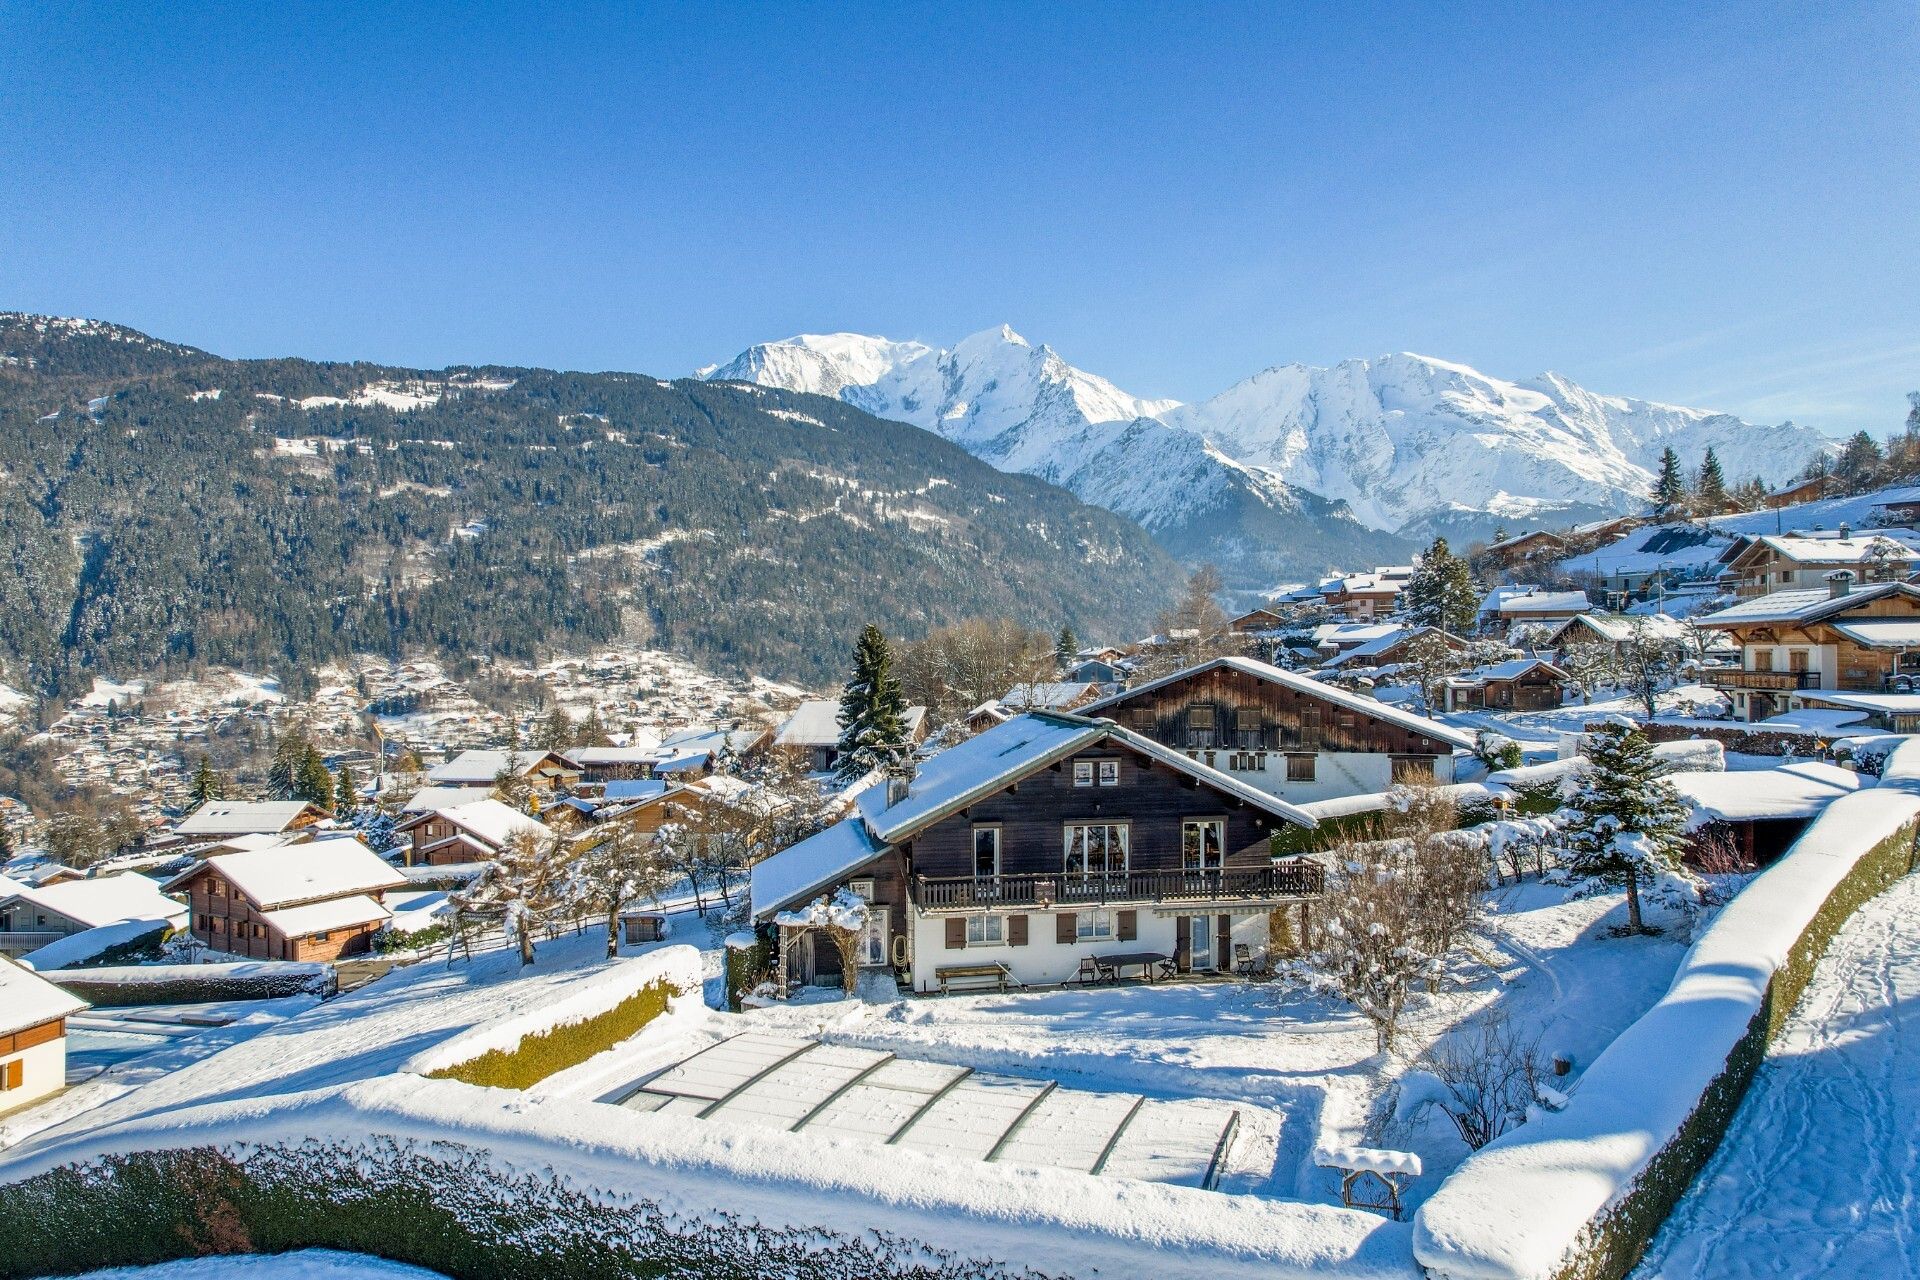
pixel 1846 531
pixel 899 781
pixel 1839 583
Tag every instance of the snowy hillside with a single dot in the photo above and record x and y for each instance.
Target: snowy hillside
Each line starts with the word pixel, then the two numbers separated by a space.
pixel 1405 443
pixel 1414 443
pixel 1023 408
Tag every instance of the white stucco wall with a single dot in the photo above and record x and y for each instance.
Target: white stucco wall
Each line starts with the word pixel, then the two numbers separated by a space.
pixel 1335 774
pixel 44 1072
pixel 1044 961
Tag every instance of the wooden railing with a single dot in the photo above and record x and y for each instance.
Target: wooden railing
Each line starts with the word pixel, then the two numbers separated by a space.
pixel 1301 879
pixel 1769 681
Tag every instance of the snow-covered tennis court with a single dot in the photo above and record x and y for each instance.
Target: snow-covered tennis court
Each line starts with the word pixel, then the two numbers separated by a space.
pixel 791 1085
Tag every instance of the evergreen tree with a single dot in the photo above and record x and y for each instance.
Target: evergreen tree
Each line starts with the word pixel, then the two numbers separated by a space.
pixel 1751 495
pixel 311 781
pixel 1624 824
pixel 205 785
pixel 283 775
pixel 1066 647
pixel 554 731
pixel 1710 486
pixel 1859 463
pixel 1441 592
pixel 1670 486
pixel 346 792
pixel 6 839
pixel 592 731
pixel 873 712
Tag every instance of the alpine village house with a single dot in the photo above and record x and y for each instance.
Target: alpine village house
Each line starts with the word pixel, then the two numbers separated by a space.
pixel 1841 646
pixel 319 901
pixel 1038 851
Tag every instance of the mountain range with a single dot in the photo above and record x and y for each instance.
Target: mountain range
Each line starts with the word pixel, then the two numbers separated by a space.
pixel 1297 469
pixel 162 507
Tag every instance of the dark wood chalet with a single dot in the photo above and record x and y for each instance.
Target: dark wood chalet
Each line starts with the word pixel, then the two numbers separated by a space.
pixel 317 901
pixel 1039 851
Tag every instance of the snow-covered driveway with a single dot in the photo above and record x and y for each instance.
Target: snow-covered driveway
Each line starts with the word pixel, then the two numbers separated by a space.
pixel 1817 1174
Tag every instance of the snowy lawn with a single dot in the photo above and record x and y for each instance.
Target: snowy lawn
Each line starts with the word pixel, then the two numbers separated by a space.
pixel 307 1264
pixel 1817 1174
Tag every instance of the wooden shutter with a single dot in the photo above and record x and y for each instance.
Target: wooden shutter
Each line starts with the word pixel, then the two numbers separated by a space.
pixel 1129 925
pixel 1064 927
pixel 956 933
pixel 1016 931
pixel 16 1073
pixel 1182 943
pixel 1223 929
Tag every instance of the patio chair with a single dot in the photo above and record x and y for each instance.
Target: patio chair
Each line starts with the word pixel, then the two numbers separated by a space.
pixel 1089 973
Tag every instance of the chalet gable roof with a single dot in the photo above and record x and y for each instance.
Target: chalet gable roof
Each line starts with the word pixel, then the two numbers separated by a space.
pixel 1300 684
pixel 1814 604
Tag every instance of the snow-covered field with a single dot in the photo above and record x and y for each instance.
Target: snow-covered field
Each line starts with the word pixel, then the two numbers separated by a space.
pixel 307 1264
pixel 1817 1175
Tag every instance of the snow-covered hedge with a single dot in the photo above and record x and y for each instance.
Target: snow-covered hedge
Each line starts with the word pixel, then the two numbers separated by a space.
pixel 1576 1194
pixel 521 1048
pixel 196 983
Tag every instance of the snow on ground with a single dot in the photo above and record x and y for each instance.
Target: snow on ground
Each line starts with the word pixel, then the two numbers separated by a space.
pixel 306 1264
pixel 1817 1175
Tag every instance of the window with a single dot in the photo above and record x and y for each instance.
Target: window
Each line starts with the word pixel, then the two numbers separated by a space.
pixel 1096 849
pixel 985 930
pixel 1091 925
pixel 1109 771
pixel 986 852
pixel 861 889
pixel 217 888
pixel 321 937
pixel 1300 766
pixel 1413 768
pixel 1200 724
pixel 1763 659
pixel 1141 717
pixel 1201 843
pixel 1083 773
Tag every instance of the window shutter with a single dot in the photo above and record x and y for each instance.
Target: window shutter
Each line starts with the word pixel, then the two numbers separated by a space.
pixel 1129 925
pixel 16 1073
pixel 956 933
pixel 1063 927
pixel 1223 930
pixel 1183 943
pixel 1016 931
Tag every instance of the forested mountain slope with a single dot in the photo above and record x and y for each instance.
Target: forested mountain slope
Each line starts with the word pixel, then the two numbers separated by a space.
pixel 160 506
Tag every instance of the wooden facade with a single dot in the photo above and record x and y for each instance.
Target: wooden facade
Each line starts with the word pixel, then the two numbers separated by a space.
pixel 1213 713
pixel 226 919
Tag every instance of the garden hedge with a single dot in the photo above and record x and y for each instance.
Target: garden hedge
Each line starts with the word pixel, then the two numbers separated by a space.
pixel 440 1205
pixel 546 1053
pixel 194 988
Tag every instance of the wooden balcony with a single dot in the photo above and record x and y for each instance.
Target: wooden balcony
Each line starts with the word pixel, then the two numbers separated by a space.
pixel 1764 681
pixel 1281 882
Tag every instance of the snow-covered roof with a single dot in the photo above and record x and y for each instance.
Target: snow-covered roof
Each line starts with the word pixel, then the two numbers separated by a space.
pixel 814 723
pixel 709 739
pixel 635 753
pixel 1791 791
pixel 1345 633
pixel 1047 695
pixel 78 948
pixel 1892 704
pixel 1538 603
pixel 1882 633
pixel 1617 627
pixel 27 999
pixel 1820 547
pixel 1520 538
pixel 104 900
pixel 492 820
pixel 480 768
pixel 815 862
pixel 1816 719
pixel 331 913
pixel 300 873
pixel 1804 605
pixel 1511 669
pixel 1313 688
pixel 1357 657
pixel 635 789
pixel 434 799
pixel 242 817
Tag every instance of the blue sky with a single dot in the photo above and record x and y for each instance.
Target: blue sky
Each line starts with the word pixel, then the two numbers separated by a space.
pixel 1711 205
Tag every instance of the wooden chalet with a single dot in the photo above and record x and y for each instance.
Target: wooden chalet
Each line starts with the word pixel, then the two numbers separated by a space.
pixel 1286 734
pixel 1258 621
pixel 812 733
pixel 1509 552
pixel 464 834
pixel 547 772
pixel 222 819
pixel 1802 561
pixel 1047 849
pixel 1860 643
pixel 317 901
pixel 1521 684
pixel 1810 490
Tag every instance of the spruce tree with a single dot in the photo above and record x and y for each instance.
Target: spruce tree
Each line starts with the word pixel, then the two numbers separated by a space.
pixel 1859 463
pixel 873 712
pixel 1670 487
pixel 312 782
pixel 1624 824
pixel 1066 647
pixel 205 784
pixel 1441 592
pixel 283 775
pixel 346 792
pixel 1710 486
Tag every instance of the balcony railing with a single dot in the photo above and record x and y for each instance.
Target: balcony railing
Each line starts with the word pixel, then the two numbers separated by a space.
pixel 1768 681
pixel 970 893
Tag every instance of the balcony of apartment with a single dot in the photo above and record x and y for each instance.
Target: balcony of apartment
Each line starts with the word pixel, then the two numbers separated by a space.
pixel 1232 886
pixel 1759 681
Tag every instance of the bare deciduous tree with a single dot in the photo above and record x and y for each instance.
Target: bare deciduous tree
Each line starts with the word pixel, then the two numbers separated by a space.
pixel 1489 1073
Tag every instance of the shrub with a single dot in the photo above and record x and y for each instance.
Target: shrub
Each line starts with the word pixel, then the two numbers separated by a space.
pixel 746 968
pixel 549 1052
pixel 181 987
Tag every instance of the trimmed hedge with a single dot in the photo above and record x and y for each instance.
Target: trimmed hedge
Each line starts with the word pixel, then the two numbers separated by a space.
pixel 260 985
pixel 441 1206
pixel 569 1044
pixel 746 967
pixel 1614 1242
pixel 1747 741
